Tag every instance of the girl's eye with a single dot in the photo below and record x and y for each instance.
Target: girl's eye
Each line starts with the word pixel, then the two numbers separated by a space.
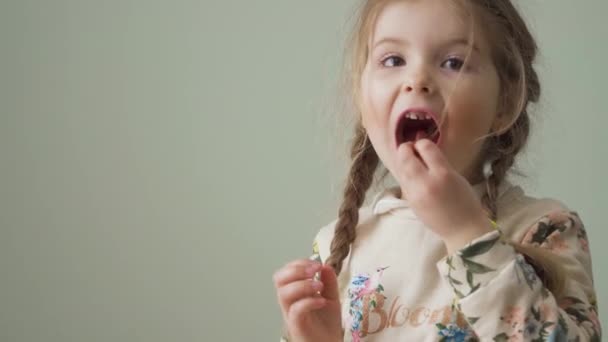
pixel 395 60
pixel 454 63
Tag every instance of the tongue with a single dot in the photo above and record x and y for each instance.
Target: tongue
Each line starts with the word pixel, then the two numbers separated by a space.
pixel 421 135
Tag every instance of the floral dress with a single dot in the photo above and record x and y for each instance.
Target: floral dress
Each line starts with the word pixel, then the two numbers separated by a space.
pixel 499 294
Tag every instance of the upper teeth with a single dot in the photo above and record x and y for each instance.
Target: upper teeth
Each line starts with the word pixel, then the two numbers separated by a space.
pixel 420 116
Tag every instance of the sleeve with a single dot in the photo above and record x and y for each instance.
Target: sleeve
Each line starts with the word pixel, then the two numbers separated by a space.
pixel 503 299
pixel 314 256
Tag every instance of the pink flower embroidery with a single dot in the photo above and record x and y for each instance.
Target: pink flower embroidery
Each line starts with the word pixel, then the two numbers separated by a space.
pixel 514 317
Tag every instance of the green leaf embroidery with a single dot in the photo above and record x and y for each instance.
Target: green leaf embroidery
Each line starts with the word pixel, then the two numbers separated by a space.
pixel 454 281
pixel 449 262
pixel 478 248
pixel 547 324
pixel 458 293
pixel 541 233
pixel 472 320
pixel 563 324
pixel 535 313
pixel 475 267
pixel 440 326
pixel 501 338
pixel 579 314
pixel 470 278
pixel 475 288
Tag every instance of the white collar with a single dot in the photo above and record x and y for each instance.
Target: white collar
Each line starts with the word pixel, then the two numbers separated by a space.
pixel 388 199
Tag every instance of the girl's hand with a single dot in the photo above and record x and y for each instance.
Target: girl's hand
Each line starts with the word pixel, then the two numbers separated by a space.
pixel 442 198
pixel 311 308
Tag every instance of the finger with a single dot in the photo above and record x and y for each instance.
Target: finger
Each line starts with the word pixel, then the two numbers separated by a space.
pixel 430 154
pixel 297 290
pixel 330 283
pixel 296 270
pixel 301 261
pixel 413 165
pixel 299 309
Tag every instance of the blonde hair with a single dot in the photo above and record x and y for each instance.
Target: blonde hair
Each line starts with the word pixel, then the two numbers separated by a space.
pixel 513 52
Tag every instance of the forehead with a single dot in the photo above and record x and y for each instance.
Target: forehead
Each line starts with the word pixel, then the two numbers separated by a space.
pixel 421 20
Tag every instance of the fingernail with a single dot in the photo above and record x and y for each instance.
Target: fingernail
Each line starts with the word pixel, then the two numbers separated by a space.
pixel 312 269
pixel 317 285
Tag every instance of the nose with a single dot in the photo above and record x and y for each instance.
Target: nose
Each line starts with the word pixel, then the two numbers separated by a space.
pixel 420 88
pixel 419 81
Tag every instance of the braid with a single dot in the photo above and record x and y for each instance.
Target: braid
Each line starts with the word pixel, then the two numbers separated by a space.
pixel 504 148
pixel 507 146
pixel 364 163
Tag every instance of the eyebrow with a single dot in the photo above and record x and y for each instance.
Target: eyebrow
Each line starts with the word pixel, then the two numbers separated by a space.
pixel 399 41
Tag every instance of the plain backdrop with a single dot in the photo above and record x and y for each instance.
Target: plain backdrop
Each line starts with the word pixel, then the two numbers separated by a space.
pixel 159 160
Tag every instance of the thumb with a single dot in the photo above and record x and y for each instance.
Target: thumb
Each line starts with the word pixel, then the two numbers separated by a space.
pixel 330 283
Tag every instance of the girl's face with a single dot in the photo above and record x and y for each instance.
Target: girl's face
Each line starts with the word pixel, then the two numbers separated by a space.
pixel 415 55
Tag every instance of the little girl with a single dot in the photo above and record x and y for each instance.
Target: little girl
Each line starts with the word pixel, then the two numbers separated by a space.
pixel 455 252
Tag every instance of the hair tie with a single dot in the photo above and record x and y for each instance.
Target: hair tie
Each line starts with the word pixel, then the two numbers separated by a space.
pixel 487 169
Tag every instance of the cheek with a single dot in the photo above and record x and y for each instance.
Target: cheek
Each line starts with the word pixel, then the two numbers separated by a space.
pixel 468 122
pixel 471 113
pixel 376 109
pixel 375 105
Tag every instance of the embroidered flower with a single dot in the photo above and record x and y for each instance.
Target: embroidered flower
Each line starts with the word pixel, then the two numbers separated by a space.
pixel 362 285
pixel 527 270
pixel 452 332
pixel 513 317
pixel 530 326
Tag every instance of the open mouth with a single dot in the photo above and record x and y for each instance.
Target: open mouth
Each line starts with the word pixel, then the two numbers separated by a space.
pixel 413 126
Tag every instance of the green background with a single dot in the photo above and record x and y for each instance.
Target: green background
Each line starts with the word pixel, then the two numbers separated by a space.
pixel 161 159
